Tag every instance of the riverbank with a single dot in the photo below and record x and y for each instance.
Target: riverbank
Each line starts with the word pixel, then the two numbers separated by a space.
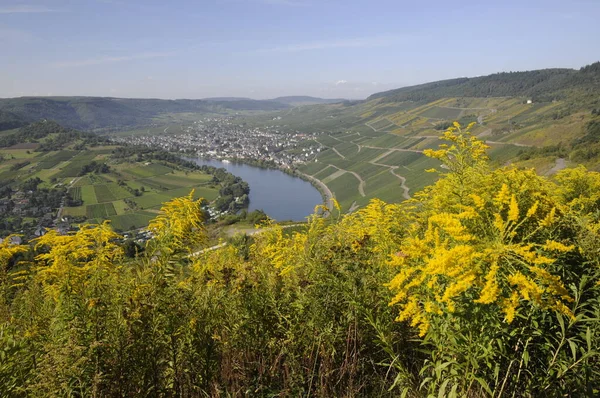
pixel 279 192
pixel 323 189
pixel 319 185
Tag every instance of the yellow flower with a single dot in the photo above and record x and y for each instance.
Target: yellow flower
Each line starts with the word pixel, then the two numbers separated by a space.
pixel 509 307
pixel 498 222
pixel 479 202
pixel 528 289
pixel 513 209
pixel 532 210
pixel 556 246
pixel 489 293
pixel 502 197
pixel 549 219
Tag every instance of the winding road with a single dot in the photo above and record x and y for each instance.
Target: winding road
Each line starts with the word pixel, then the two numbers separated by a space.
pixel 324 189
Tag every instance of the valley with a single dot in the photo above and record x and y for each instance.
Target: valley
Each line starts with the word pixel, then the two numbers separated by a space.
pixel 354 151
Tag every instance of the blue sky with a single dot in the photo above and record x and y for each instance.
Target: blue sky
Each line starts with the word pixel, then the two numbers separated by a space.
pixel 268 48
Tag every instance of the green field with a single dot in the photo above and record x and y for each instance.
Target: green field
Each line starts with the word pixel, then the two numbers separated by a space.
pixel 88 194
pixel 100 210
pixel 148 170
pixel 110 192
pixel 75 193
pixel 130 221
pixel 104 195
pixel 54 158
pixel 438 112
pixel 345 189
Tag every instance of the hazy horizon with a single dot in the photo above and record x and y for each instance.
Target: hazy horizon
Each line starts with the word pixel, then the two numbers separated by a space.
pixel 263 49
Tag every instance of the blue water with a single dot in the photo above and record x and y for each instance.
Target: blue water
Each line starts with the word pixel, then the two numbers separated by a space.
pixel 280 195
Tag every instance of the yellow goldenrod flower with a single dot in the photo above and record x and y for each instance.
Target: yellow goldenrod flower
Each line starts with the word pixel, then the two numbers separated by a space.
pixel 513 209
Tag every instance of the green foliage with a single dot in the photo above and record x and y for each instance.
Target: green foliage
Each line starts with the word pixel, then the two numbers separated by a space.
pixel 493 276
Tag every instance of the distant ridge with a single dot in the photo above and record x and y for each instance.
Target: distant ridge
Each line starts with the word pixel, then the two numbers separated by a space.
pixel 99 113
pixel 227 99
pixel 94 113
pixel 543 85
pixel 297 100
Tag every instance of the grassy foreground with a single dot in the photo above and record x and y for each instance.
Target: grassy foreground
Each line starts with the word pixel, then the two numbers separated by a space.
pixel 484 284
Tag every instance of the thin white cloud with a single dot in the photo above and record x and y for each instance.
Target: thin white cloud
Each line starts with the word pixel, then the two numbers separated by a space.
pixel 110 60
pixel 25 9
pixel 362 42
pixel 341 82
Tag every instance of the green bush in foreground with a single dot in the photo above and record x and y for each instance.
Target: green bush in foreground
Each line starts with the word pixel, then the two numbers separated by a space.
pixel 492 276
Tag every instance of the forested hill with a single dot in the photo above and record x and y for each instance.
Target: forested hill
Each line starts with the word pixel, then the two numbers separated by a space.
pixel 89 113
pixel 49 135
pixel 9 121
pixel 540 85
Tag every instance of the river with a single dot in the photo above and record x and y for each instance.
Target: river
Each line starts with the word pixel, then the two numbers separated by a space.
pixel 281 196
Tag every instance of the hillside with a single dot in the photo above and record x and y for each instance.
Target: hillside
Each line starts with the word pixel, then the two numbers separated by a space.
pixel 96 113
pixel 373 148
pixel 9 121
pixel 539 85
pixel 546 119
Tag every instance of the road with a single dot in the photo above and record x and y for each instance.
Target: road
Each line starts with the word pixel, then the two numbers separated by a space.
pixel 324 189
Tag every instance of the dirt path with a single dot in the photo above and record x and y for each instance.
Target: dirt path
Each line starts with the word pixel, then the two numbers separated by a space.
pixel 378 158
pixel 374 129
pixel 561 163
pixel 362 183
pixel 353 207
pixel 508 143
pixel 338 153
pixel 62 201
pixel 392 170
pixel 486 133
pixel 394 149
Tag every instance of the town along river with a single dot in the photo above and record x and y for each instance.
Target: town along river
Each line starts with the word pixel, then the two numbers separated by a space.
pixel 281 196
